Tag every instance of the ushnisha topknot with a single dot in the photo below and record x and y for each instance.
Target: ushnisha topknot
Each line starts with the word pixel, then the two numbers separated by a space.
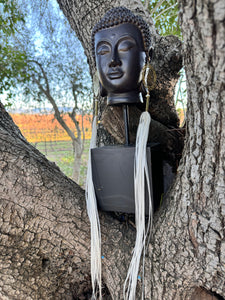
pixel 121 15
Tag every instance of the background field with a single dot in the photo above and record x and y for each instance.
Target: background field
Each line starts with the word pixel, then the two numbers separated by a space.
pixel 61 153
pixel 45 133
pixel 44 127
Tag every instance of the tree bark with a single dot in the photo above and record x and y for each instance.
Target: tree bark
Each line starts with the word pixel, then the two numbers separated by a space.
pixel 189 228
pixel 45 241
pixel 78 148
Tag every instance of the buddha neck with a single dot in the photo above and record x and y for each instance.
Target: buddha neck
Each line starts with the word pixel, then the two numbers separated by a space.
pixel 131 97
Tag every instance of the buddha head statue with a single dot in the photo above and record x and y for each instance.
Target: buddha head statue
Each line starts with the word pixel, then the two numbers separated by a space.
pixel 120 45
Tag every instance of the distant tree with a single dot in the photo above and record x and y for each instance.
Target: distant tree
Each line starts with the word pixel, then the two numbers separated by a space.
pixel 56 67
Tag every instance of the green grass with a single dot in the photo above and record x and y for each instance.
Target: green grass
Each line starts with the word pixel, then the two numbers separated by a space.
pixel 61 152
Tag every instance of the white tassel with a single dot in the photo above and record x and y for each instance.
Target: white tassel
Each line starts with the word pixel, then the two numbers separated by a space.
pixel 141 176
pixel 95 224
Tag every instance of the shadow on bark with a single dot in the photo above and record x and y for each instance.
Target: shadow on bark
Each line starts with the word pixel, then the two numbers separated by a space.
pixel 203 294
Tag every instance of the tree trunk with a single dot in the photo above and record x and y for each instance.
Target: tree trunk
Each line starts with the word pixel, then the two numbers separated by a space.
pixel 189 243
pixel 78 150
pixel 45 241
pixel 76 168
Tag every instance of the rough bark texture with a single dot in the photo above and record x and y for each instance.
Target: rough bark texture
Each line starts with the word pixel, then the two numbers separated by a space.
pixel 45 242
pixel 188 246
pixel 42 220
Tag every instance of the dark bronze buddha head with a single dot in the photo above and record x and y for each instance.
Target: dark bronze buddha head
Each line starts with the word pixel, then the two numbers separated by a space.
pixel 121 42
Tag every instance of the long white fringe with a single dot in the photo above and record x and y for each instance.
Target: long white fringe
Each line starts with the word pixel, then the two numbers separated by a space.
pixel 95 224
pixel 141 177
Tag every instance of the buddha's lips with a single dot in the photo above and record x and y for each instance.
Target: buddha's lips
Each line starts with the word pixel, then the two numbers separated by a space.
pixel 115 74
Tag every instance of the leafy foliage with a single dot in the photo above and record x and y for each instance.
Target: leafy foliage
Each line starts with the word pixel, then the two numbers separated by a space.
pixel 10 16
pixel 12 60
pixel 165 15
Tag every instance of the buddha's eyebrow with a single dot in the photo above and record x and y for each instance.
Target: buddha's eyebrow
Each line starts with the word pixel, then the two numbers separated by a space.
pixel 127 37
pixel 103 42
pixel 108 41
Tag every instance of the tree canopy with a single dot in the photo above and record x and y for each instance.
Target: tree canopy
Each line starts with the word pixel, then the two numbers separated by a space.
pixel 12 59
pixel 48 49
pixel 165 14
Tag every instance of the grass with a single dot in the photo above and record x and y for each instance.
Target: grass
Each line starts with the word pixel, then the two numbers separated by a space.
pixel 61 152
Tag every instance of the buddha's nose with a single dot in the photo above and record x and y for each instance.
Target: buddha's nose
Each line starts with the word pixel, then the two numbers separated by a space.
pixel 115 61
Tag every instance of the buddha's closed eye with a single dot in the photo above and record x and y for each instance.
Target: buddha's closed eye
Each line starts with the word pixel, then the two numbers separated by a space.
pixel 126 45
pixel 103 49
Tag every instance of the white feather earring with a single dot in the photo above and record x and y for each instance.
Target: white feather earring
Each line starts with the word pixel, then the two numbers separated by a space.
pixel 141 182
pixel 92 210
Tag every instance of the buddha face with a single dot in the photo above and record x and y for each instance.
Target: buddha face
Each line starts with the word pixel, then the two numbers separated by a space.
pixel 120 58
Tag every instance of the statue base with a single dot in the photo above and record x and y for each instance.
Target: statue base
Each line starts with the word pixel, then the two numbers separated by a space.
pixel 113 177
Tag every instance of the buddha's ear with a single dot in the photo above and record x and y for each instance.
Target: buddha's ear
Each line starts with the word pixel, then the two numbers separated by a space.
pixel 103 92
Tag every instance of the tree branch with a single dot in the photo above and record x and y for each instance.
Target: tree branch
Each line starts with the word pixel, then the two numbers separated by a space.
pixel 43 73
pixel 46 92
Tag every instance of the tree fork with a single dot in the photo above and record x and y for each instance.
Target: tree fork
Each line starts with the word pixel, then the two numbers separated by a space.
pixel 45 240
